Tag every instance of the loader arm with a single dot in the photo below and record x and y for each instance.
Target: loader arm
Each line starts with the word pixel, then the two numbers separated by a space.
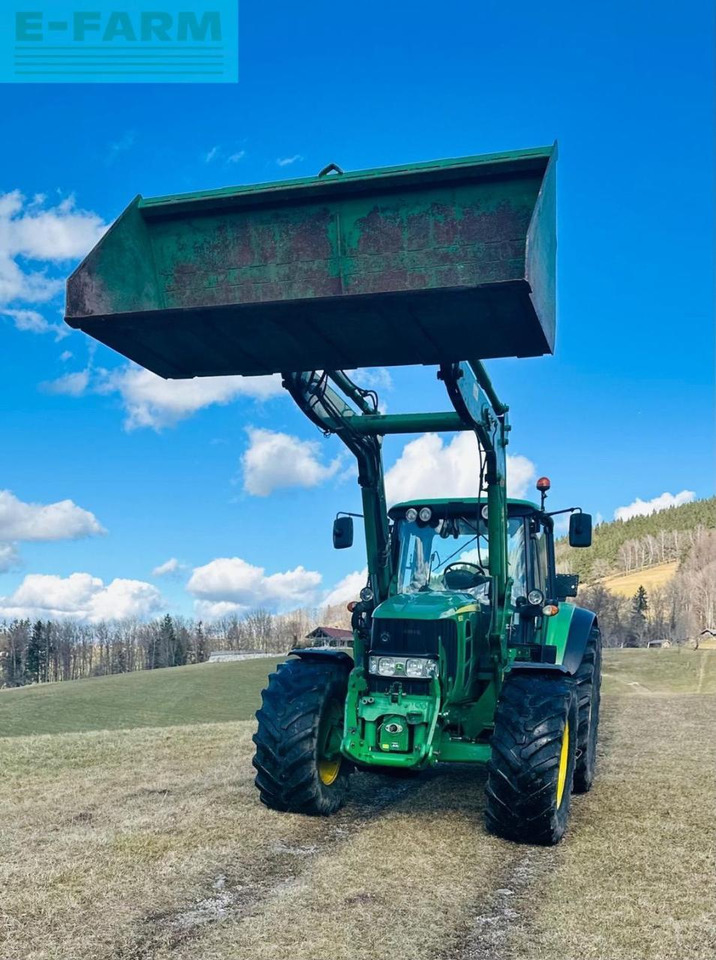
pixel 477 409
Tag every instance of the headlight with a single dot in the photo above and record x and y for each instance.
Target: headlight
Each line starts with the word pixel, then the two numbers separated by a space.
pixel 425 514
pixel 535 597
pixel 420 667
pixel 417 668
pixel 411 514
pixel 366 594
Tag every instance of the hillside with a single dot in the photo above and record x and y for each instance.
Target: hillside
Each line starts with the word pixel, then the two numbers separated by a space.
pixel 228 692
pixel 603 557
pixel 651 578
pixel 203 693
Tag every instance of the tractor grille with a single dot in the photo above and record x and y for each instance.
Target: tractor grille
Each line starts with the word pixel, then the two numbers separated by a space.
pixel 417 638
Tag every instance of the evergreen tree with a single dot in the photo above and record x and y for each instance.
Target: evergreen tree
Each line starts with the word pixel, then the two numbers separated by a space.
pixel 640 604
pixel 201 652
pixel 638 623
pixel 35 657
pixel 165 645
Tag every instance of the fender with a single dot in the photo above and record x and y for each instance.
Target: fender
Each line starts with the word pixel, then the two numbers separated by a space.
pixel 580 629
pixel 569 632
pixel 318 654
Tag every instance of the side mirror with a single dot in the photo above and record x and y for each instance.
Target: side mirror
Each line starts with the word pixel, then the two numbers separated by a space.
pixel 566 585
pixel 580 530
pixel 343 532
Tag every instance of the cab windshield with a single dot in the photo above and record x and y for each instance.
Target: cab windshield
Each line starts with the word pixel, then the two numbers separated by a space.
pixel 428 549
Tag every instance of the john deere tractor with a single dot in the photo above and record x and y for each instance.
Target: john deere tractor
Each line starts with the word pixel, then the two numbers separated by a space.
pixel 465 649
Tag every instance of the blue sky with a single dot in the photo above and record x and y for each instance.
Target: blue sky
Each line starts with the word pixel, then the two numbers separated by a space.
pixel 623 411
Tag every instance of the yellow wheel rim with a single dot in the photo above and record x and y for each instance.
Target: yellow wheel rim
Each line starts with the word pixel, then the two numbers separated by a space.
pixel 328 771
pixel 563 763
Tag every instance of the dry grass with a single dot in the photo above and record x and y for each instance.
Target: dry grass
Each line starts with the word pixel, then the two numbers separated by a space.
pixel 635 879
pixel 651 578
pixel 150 844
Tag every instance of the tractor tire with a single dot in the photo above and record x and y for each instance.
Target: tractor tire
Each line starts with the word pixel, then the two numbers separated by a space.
pixel 588 679
pixel 300 724
pixel 534 749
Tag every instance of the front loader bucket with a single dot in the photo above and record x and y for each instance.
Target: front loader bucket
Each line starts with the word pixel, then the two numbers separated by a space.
pixel 423 264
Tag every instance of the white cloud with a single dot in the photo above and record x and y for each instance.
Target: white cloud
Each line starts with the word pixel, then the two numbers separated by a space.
pixel 372 378
pixel 54 234
pixel 150 401
pixel 208 610
pixel 81 596
pixel 9 557
pixel 31 231
pixel 31 321
pixel 71 384
pixel 63 520
pixel 211 154
pixel 66 355
pixel 287 161
pixel 236 157
pixel 428 467
pixel 233 581
pixel 642 508
pixel 278 460
pixel 170 567
pixel 346 589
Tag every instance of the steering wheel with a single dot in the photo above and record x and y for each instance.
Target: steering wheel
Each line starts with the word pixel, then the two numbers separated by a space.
pixel 463 576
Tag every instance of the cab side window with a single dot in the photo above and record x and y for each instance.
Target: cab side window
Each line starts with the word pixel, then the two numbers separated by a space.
pixel 516 559
pixel 538 558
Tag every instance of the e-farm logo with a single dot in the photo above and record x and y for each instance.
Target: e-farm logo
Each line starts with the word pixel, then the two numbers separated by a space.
pixel 120 41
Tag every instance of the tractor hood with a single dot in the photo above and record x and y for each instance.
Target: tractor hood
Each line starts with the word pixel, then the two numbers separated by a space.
pixel 430 605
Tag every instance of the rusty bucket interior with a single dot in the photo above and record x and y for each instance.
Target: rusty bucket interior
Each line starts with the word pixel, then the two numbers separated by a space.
pixel 427 264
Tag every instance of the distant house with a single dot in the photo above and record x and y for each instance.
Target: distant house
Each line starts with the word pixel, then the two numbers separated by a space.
pixel 329 637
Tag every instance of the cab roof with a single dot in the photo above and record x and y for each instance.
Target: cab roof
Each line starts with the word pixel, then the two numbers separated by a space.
pixel 442 501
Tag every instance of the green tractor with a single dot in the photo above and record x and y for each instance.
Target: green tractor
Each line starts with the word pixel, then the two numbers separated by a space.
pixel 464 647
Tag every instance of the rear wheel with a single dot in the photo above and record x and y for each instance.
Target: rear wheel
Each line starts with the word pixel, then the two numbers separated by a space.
pixel 588 679
pixel 531 770
pixel 300 725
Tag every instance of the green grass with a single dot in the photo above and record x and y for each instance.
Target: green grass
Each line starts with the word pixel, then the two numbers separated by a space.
pixel 225 692
pixel 206 693
pixel 659 671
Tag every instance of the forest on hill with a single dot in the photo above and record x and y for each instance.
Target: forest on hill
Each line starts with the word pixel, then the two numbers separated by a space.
pixel 622 546
pixel 684 607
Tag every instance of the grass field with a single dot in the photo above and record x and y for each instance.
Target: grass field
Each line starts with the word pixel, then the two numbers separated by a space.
pixel 135 838
pixel 627 584
pixel 209 693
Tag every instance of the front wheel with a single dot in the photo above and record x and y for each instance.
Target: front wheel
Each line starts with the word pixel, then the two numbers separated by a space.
pixel 534 748
pixel 300 725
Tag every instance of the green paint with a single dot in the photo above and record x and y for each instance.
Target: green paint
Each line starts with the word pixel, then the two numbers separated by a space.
pixel 330 272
